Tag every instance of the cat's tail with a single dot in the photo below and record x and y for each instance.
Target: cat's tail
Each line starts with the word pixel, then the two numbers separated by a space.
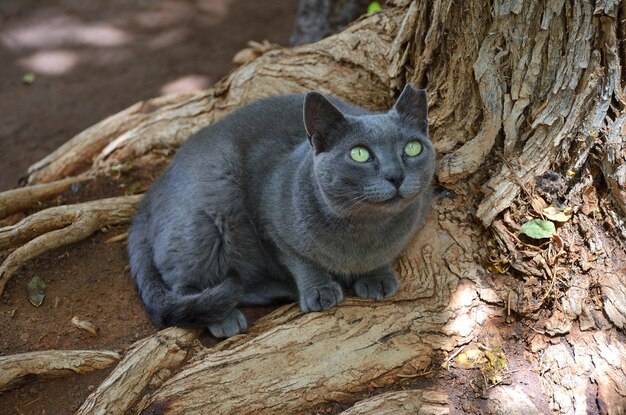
pixel 168 308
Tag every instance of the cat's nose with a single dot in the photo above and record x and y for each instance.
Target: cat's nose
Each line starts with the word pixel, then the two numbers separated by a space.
pixel 395 179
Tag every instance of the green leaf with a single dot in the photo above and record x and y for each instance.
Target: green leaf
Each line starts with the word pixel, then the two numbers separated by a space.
pixel 29 77
pixel 538 229
pixel 36 291
pixel 373 7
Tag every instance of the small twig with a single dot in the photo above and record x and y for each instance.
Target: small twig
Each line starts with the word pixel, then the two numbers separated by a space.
pixel 33 401
pixel 534 329
pixel 508 303
pixel 17 200
pixel 414 375
pixel 452 356
pixel 117 238
pixel 513 175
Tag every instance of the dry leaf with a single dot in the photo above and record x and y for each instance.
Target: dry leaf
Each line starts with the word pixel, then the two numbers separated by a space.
pixel 36 291
pixel 538 203
pixel 590 200
pixel 557 214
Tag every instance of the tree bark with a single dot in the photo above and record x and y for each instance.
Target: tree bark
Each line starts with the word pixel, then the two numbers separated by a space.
pixel 146 362
pixel 23 368
pixel 526 112
pixel 421 402
pixel 317 19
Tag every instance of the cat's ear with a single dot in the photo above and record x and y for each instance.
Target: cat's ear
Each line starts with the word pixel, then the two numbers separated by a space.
pixel 320 119
pixel 412 105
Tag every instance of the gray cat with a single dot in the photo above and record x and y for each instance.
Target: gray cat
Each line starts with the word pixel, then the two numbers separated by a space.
pixel 267 205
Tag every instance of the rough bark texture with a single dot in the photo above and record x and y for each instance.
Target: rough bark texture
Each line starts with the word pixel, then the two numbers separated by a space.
pixel 317 19
pixel 412 402
pixel 23 368
pixel 526 112
pixel 147 361
pixel 14 201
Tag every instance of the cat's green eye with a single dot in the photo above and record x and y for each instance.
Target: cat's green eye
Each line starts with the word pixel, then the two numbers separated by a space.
pixel 412 148
pixel 360 154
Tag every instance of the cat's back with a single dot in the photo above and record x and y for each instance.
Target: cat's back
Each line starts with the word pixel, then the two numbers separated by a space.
pixel 263 129
pixel 248 143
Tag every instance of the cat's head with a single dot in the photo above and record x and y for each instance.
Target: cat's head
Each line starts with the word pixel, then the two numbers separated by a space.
pixel 370 164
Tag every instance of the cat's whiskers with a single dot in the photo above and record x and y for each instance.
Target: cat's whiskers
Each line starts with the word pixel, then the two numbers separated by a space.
pixel 343 208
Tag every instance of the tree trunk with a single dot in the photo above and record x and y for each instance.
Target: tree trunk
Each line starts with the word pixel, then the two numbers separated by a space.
pixel 527 117
pixel 317 19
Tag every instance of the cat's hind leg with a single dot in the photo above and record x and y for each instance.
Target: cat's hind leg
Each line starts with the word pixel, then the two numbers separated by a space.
pixel 196 260
pixel 232 324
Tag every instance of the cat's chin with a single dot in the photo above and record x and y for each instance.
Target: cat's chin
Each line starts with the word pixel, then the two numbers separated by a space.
pixel 394 200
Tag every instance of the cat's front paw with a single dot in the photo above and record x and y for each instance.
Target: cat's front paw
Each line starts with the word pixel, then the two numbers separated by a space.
pixel 233 324
pixel 376 286
pixel 321 297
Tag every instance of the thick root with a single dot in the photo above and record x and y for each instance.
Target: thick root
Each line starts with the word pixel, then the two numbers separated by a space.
pixel 16 370
pixel 17 200
pixel 422 402
pixel 149 360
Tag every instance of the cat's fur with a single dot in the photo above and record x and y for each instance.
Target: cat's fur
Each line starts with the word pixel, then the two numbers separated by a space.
pixel 267 205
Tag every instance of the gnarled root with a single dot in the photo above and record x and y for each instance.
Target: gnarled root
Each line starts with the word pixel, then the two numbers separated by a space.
pixel 148 360
pixel 58 226
pixel 424 402
pixel 16 200
pixel 18 369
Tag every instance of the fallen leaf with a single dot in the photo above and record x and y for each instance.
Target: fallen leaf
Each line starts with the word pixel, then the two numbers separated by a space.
pixel 538 203
pixel 373 7
pixel 590 200
pixel 538 229
pixel 557 214
pixel 28 78
pixel 36 291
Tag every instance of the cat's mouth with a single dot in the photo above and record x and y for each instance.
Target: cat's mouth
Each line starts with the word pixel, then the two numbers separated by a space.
pixel 397 198
pixel 392 200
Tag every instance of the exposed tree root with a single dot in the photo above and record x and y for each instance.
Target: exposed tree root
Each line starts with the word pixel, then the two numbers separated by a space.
pixel 409 402
pixel 15 370
pixel 13 201
pixel 58 226
pixel 147 361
